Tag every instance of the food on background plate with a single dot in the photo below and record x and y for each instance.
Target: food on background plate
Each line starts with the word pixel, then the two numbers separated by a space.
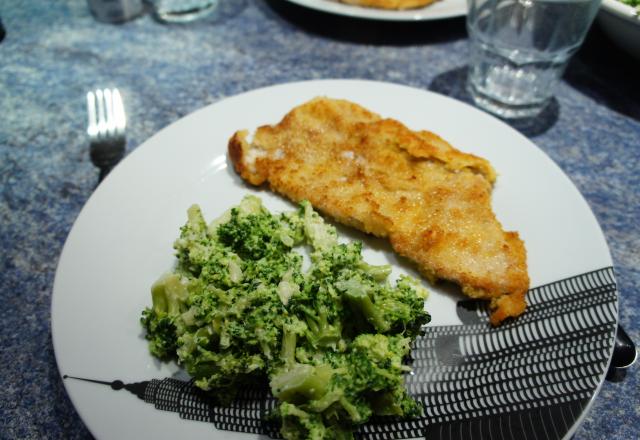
pixel 635 3
pixel 430 200
pixel 389 4
pixel 332 340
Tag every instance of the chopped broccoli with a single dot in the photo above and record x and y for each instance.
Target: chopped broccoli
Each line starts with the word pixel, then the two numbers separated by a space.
pixel 331 340
pixel 161 333
pixel 301 425
pixel 162 320
pixel 320 235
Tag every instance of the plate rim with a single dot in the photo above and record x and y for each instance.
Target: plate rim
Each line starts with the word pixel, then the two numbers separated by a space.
pixel 146 144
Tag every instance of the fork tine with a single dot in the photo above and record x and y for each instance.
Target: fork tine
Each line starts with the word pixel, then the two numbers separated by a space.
pixel 108 103
pixel 118 112
pixel 92 124
pixel 101 113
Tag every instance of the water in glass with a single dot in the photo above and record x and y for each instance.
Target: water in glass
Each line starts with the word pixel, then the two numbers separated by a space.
pixel 520 48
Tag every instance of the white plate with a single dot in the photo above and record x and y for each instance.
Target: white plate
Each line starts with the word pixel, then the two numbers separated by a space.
pixel 622 24
pixel 122 241
pixel 439 10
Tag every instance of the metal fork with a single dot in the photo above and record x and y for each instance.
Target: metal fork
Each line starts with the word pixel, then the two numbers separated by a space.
pixel 106 128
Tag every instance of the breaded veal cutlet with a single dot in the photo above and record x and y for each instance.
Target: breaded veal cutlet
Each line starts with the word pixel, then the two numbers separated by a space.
pixel 430 200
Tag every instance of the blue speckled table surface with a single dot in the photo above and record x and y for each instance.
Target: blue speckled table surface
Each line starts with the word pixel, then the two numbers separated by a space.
pixel 53 54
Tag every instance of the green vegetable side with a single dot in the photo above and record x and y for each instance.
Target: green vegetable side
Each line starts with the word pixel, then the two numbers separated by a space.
pixel 331 340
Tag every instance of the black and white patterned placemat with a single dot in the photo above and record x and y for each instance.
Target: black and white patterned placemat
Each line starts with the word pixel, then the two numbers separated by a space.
pixel 528 379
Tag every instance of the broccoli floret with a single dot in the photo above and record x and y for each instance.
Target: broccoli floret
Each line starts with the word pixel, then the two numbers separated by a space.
pixel 395 403
pixel 330 262
pixel 374 358
pixel 298 424
pixel 252 236
pixel 163 319
pixel 255 233
pixel 348 388
pixel 238 308
pixel 301 425
pixel 321 310
pixel 239 333
pixel 386 309
pixel 160 332
pixel 191 247
pixel 373 381
pixel 271 270
pixel 224 370
pixel 359 297
pixel 300 383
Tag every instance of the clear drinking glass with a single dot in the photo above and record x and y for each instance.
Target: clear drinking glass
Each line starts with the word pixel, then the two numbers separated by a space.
pixel 183 11
pixel 115 11
pixel 520 48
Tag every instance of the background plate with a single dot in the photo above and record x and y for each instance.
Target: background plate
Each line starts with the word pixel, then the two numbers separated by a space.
pixel 439 10
pixel 622 24
pixel 536 374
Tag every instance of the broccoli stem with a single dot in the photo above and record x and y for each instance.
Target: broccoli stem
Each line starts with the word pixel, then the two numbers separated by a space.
pixel 288 351
pixel 378 273
pixel 168 294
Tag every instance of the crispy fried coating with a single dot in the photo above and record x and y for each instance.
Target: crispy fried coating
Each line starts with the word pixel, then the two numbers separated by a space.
pixel 430 200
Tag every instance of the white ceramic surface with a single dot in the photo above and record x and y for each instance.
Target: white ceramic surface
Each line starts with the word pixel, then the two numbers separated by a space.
pixel 122 240
pixel 622 24
pixel 439 10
